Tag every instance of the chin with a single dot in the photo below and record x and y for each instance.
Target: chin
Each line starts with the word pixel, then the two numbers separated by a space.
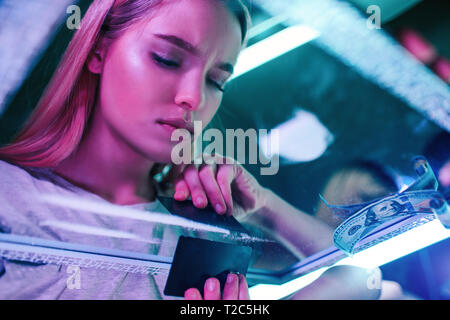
pixel 159 155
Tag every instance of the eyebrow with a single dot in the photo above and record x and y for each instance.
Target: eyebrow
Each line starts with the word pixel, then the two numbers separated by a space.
pixel 183 44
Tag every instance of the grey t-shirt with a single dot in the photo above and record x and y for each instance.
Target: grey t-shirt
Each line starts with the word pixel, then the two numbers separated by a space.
pixel 24 214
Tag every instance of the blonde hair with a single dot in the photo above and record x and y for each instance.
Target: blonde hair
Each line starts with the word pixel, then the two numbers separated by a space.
pixel 57 125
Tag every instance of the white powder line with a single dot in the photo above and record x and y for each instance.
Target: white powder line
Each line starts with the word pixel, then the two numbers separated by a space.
pixel 96 231
pixel 128 213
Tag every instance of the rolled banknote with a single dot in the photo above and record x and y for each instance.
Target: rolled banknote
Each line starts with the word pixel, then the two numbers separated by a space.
pixel 409 203
pixel 426 180
pixel 421 197
pixel 345 211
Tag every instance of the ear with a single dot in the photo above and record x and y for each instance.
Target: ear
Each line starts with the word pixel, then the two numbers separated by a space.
pixel 96 58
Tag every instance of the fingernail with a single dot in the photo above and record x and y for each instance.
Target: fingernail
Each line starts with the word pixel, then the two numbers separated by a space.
pixel 179 195
pixel 191 294
pixel 231 277
pixel 211 284
pixel 199 201
pixel 219 208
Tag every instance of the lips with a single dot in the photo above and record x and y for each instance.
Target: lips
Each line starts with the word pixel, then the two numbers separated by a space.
pixel 178 124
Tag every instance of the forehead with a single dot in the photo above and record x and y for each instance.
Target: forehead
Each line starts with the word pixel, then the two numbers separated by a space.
pixel 206 24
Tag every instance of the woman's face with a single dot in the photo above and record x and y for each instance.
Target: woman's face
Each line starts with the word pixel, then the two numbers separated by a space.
pixel 168 69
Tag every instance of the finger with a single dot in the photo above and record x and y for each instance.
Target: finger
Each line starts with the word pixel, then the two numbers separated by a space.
pixel 243 288
pixel 212 289
pixel 192 294
pixel 173 174
pixel 195 186
pixel 214 193
pixel 231 289
pixel 181 190
pixel 224 178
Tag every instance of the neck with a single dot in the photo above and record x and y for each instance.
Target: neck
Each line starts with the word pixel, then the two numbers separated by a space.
pixel 105 165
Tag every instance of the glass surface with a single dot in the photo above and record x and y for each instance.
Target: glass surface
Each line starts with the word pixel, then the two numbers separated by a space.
pixel 350 132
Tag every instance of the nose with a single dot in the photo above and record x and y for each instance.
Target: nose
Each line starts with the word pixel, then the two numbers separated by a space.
pixel 190 93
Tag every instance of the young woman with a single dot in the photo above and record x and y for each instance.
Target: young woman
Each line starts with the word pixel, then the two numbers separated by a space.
pixel 135 71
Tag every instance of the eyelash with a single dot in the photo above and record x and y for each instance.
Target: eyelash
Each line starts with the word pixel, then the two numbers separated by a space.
pixel 165 63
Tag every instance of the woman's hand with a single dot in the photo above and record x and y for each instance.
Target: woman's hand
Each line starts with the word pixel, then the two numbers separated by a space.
pixel 235 288
pixel 233 191
pixel 228 187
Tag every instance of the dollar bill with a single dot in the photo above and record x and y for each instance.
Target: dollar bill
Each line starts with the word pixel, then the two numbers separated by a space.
pixel 344 212
pixel 426 181
pixel 408 203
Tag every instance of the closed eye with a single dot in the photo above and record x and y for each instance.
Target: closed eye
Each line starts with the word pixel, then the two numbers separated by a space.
pixel 217 85
pixel 165 62
pixel 171 64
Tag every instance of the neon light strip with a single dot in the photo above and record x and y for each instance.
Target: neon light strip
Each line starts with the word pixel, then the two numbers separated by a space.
pixel 90 230
pixel 128 213
pixel 36 250
pixel 273 47
pixel 375 256
pixel 266 25
pixel 373 53
pixel 399 246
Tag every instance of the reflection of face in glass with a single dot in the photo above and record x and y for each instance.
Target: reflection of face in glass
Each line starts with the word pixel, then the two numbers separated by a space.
pixel 169 68
pixel 352 185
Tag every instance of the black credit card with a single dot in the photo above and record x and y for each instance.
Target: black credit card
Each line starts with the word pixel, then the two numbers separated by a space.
pixel 196 260
pixel 207 215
